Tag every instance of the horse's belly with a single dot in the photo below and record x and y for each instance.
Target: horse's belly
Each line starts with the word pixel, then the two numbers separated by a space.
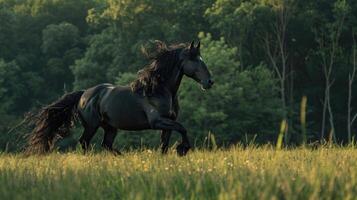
pixel 130 121
pixel 124 111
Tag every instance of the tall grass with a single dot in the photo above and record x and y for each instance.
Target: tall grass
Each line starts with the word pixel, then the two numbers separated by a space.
pixel 303 106
pixel 238 173
pixel 283 129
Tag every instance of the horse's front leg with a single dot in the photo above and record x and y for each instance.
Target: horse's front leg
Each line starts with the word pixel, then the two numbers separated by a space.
pixel 170 125
pixel 165 135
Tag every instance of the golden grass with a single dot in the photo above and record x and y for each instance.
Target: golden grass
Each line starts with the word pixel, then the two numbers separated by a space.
pixel 252 173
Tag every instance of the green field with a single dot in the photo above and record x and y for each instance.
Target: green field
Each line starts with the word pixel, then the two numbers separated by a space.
pixel 253 173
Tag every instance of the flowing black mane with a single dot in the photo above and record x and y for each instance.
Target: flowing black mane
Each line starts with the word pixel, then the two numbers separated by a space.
pixel 163 59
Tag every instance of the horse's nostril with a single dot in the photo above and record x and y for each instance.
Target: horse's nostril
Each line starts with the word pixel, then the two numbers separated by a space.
pixel 210 82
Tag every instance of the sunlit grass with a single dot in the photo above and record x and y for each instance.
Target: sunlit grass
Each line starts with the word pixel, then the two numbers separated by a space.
pixel 251 173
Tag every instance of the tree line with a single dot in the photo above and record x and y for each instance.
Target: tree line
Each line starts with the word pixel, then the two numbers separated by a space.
pixel 265 55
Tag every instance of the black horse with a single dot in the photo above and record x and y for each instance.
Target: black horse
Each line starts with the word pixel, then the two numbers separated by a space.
pixel 150 102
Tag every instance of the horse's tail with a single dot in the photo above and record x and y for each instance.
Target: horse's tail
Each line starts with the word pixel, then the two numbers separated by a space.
pixel 52 122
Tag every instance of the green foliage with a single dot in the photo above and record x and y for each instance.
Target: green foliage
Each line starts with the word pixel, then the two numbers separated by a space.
pixel 57 39
pixel 17 89
pixel 125 78
pixel 48 47
pixel 243 23
pixel 103 60
pixel 237 101
pixel 7 34
pixel 60 44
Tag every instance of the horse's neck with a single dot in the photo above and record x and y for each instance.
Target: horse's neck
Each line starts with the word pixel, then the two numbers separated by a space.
pixel 174 81
pixel 177 84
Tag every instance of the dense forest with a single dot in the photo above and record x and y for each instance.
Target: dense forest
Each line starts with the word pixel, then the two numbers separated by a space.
pixel 266 56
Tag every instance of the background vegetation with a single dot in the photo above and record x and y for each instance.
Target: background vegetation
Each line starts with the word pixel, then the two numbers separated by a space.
pixel 265 55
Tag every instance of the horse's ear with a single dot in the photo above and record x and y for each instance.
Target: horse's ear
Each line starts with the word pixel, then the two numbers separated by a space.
pixel 192 45
pixel 198 47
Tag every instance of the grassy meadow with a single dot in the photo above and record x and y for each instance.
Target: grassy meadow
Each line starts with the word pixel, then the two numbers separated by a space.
pixel 250 173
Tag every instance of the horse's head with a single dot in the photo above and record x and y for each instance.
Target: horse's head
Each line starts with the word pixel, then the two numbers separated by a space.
pixel 194 67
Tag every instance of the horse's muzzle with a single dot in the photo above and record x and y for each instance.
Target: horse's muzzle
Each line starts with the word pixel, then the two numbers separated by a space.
pixel 207 84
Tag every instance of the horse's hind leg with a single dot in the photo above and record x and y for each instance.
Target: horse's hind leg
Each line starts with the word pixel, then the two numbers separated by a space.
pixel 86 137
pixel 109 136
pixel 165 138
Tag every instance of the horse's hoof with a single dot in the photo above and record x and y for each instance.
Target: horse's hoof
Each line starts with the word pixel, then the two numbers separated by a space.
pixel 164 151
pixel 115 152
pixel 182 149
pixel 85 151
